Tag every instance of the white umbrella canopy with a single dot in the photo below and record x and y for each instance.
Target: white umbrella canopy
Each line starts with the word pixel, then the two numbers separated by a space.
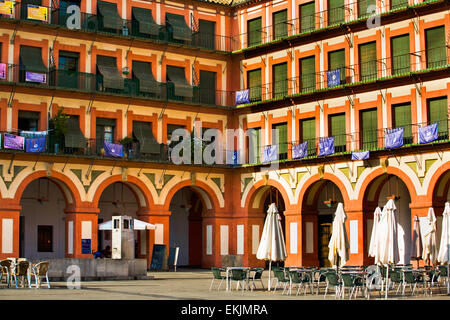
pixel 338 245
pixel 388 238
pixel 429 245
pixel 373 237
pixel 137 225
pixel 272 246
pixel 444 248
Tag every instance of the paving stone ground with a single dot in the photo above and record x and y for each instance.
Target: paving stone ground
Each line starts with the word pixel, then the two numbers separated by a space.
pixel 181 285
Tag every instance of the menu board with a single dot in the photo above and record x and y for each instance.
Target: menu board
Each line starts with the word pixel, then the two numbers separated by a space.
pixel 37 12
pixel 6 7
pixel 159 257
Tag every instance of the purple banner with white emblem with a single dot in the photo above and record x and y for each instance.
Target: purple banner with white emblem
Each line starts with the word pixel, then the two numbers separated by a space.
pixel 363 155
pixel 35 77
pixel 113 149
pixel 393 138
pixel 428 133
pixel 326 146
pixel 242 97
pixel 270 153
pixel 300 150
pixel 35 145
pixel 11 141
pixel 333 78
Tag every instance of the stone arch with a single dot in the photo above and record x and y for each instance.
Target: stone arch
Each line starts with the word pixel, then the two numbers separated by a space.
pixel 440 178
pixel 252 199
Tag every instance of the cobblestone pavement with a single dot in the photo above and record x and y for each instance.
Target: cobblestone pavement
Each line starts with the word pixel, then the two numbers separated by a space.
pixel 180 285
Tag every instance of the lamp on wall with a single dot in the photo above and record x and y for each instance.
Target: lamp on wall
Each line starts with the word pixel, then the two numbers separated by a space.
pixel 329 202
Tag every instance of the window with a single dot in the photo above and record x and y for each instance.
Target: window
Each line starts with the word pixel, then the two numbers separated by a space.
pixel 336 12
pixel 336 60
pixel 438 112
pixel 254 145
pixel 105 129
pixel 368 61
pixel 254 32
pixel 282 147
pixel 254 85
pixel 280 81
pixel 280 24
pixel 28 120
pixel 143 24
pixel 337 130
pixel 402 118
pixel 178 88
pixel 170 129
pixel 31 66
pixel 397 4
pixel 24 7
pixel 307 16
pixel 67 73
pixel 146 82
pixel 368 129
pixel 206 34
pixel 109 18
pixel 436 48
pixel 401 58
pixel 74 138
pixel 177 28
pixel 45 239
pixel 365 8
pixel 307 74
pixel 207 87
pixel 63 16
pixel 109 77
pixel 308 133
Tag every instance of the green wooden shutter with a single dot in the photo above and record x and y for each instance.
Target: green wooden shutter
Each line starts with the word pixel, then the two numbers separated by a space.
pixel 254 145
pixel 363 6
pixel 438 112
pixel 308 133
pixel 336 12
pixel 254 85
pixel 308 74
pixel 282 147
pixel 402 118
pixel 336 60
pixel 254 32
pixel 337 129
pixel 280 24
pixel 206 35
pixel 397 4
pixel 436 49
pixel 307 17
pixel 400 54
pixel 368 61
pixel 207 87
pixel 369 126
pixel 279 72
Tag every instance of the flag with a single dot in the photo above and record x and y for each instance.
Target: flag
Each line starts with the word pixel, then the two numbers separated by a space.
pixel 428 133
pixel 11 141
pixel 326 146
pixel 300 150
pixel 333 78
pixel 113 149
pixel 242 97
pixel 393 138
pixel 363 155
pixel 35 145
pixel 270 153
pixel 232 157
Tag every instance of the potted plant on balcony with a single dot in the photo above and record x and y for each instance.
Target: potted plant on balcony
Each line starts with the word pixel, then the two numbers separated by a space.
pixel 127 143
pixel 59 128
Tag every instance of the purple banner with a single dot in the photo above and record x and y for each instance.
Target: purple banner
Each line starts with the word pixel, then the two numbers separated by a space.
pixel 242 97
pixel 300 150
pixel 35 77
pixel 35 145
pixel 3 71
pixel 11 141
pixel 326 146
pixel 270 153
pixel 363 155
pixel 393 138
pixel 113 150
pixel 428 133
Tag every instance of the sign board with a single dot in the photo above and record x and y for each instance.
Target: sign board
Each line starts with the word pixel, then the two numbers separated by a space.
pixel 6 7
pixel 159 257
pixel 86 246
pixel 35 77
pixel 37 12
pixel 173 257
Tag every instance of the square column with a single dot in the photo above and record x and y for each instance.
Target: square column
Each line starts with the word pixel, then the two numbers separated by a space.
pixel 9 232
pixel 81 234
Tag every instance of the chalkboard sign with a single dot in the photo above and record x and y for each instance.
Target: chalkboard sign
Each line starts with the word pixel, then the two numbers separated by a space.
pixel 85 246
pixel 173 257
pixel 159 257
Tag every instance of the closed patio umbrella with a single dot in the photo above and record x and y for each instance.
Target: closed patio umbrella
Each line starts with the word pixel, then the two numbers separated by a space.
pixel 388 239
pixel 429 245
pixel 272 246
pixel 338 245
pixel 416 244
pixel 444 248
pixel 373 237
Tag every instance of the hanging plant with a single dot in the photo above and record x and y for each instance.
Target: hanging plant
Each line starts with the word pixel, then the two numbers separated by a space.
pixel 59 123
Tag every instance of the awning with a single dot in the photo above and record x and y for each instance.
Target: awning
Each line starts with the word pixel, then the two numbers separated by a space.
pixel 182 87
pixel 31 59
pixel 179 28
pixel 147 83
pixel 137 225
pixel 111 76
pixel 143 132
pixel 110 15
pixel 146 23
pixel 74 138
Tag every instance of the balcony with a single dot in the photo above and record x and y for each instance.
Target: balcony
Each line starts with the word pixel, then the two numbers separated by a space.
pixel 367 72
pixel 345 144
pixel 124 28
pixel 93 83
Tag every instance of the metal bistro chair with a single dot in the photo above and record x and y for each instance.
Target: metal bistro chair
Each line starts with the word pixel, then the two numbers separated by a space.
pixel 39 271
pixel 333 281
pixel 239 275
pixel 281 278
pixel 257 276
pixel 412 278
pixel 352 282
pixel 217 275
pixel 5 270
pixel 22 270
pixel 395 277
pixel 297 278
pixel 443 274
pixel 432 280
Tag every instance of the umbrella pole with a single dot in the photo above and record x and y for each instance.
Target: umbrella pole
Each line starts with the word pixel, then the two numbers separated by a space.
pixel 448 286
pixel 387 279
pixel 270 267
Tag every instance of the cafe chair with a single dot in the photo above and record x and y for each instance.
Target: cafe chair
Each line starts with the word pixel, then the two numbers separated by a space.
pixel 217 275
pixel 239 276
pixel 39 271
pixel 22 270
pixel 5 270
pixel 257 276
